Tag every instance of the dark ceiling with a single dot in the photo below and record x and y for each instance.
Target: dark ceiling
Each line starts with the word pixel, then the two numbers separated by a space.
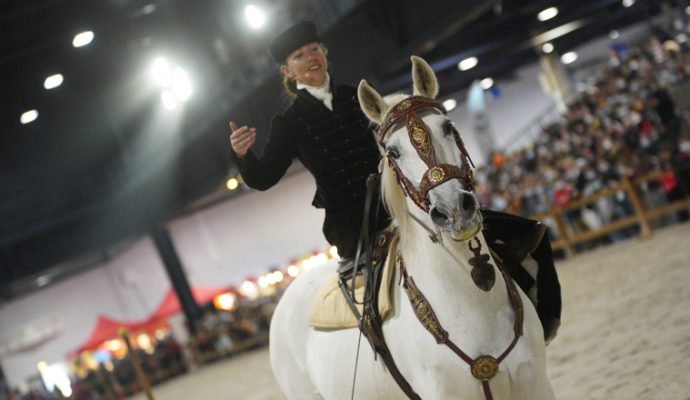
pixel 105 162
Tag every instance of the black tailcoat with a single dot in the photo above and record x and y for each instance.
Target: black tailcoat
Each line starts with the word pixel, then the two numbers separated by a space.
pixel 339 149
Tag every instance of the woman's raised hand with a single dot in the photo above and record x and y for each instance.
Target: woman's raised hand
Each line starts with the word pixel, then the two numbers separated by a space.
pixel 241 139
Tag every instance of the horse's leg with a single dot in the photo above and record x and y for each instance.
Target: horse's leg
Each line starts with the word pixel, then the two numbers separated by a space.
pixel 289 335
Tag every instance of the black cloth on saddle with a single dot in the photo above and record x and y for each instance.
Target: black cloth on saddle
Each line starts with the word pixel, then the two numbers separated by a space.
pixel 513 238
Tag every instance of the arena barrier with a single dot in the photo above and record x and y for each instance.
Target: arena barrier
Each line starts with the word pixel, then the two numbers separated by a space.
pixel 568 238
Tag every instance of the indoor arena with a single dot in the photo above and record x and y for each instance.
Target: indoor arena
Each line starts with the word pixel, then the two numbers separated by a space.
pixel 345 199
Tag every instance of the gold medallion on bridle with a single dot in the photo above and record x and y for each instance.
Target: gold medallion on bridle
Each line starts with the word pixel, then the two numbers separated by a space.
pixel 484 368
pixel 418 135
pixel 436 174
pixel 404 105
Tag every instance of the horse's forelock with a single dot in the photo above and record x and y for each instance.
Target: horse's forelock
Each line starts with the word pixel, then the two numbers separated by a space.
pixel 391 101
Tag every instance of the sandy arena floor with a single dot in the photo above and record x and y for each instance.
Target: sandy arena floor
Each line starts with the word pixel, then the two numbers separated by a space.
pixel 625 332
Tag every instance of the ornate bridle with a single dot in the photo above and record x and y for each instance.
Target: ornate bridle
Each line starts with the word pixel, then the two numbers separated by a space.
pixel 420 138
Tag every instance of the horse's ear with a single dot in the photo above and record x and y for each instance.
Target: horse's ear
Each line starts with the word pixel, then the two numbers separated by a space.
pixel 424 79
pixel 371 102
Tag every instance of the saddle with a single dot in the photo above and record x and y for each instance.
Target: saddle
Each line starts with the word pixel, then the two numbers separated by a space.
pixel 333 310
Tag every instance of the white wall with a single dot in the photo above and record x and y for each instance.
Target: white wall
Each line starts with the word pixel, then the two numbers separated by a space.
pixel 246 236
pixel 218 247
pixel 521 100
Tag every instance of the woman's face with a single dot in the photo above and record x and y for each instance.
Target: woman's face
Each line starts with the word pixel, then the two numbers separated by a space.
pixel 307 65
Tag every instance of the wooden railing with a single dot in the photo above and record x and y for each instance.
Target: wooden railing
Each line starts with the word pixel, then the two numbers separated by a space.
pixel 641 216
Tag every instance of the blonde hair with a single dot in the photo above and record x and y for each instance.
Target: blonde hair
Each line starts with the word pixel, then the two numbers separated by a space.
pixel 290 85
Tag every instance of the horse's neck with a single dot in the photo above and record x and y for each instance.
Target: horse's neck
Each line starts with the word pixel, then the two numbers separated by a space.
pixel 444 272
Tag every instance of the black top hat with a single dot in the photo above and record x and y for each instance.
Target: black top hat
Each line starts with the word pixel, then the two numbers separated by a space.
pixel 292 39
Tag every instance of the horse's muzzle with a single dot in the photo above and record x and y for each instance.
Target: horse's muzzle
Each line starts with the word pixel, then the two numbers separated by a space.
pixel 462 221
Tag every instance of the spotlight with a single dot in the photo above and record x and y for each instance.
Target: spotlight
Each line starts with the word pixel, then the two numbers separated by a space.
pixel 28 116
pixel 169 100
pixel 53 81
pixel 450 104
pixel 569 57
pixel 161 71
pixel 547 14
pixel 255 17
pixel 468 63
pixel 487 83
pixel 628 3
pixel 547 48
pixel 82 39
pixel 181 85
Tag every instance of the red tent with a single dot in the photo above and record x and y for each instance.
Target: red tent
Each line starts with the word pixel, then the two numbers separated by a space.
pixel 107 329
pixel 171 305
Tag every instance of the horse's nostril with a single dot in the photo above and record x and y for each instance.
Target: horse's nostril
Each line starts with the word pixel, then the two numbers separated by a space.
pixel 438 217
pixel 468 202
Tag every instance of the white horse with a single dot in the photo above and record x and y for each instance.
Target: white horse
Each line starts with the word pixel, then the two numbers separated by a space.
pixel 479 317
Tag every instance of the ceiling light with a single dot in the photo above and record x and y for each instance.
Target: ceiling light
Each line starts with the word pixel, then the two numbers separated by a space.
pixel 628 3
pixel 148 9
pixel 547 14
pixel 169 99
pixel 467 63
pixel 487 83
pixel 181 85
pixel 547 48
pixel 614 34
pixel 42 280
pixel 53 81
pixel 232 184
pixel 569 57
pixel 255 17
pixel 82 39
pixel 162 72
pixel 687 10
pixel 450 104
pixel 28 116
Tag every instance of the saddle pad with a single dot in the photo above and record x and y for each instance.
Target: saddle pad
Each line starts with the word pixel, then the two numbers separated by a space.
pixel 330 310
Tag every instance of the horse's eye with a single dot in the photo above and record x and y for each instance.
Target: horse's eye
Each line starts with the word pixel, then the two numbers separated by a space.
pixel 448 128
pixel 393 153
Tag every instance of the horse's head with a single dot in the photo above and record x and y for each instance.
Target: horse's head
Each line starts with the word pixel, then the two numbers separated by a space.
pixel 425 156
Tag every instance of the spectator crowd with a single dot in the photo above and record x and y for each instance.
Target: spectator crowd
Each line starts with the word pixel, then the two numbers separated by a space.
pixel 623 124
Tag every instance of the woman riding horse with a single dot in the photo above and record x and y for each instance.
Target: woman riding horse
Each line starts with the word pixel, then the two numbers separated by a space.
pixel 325 129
